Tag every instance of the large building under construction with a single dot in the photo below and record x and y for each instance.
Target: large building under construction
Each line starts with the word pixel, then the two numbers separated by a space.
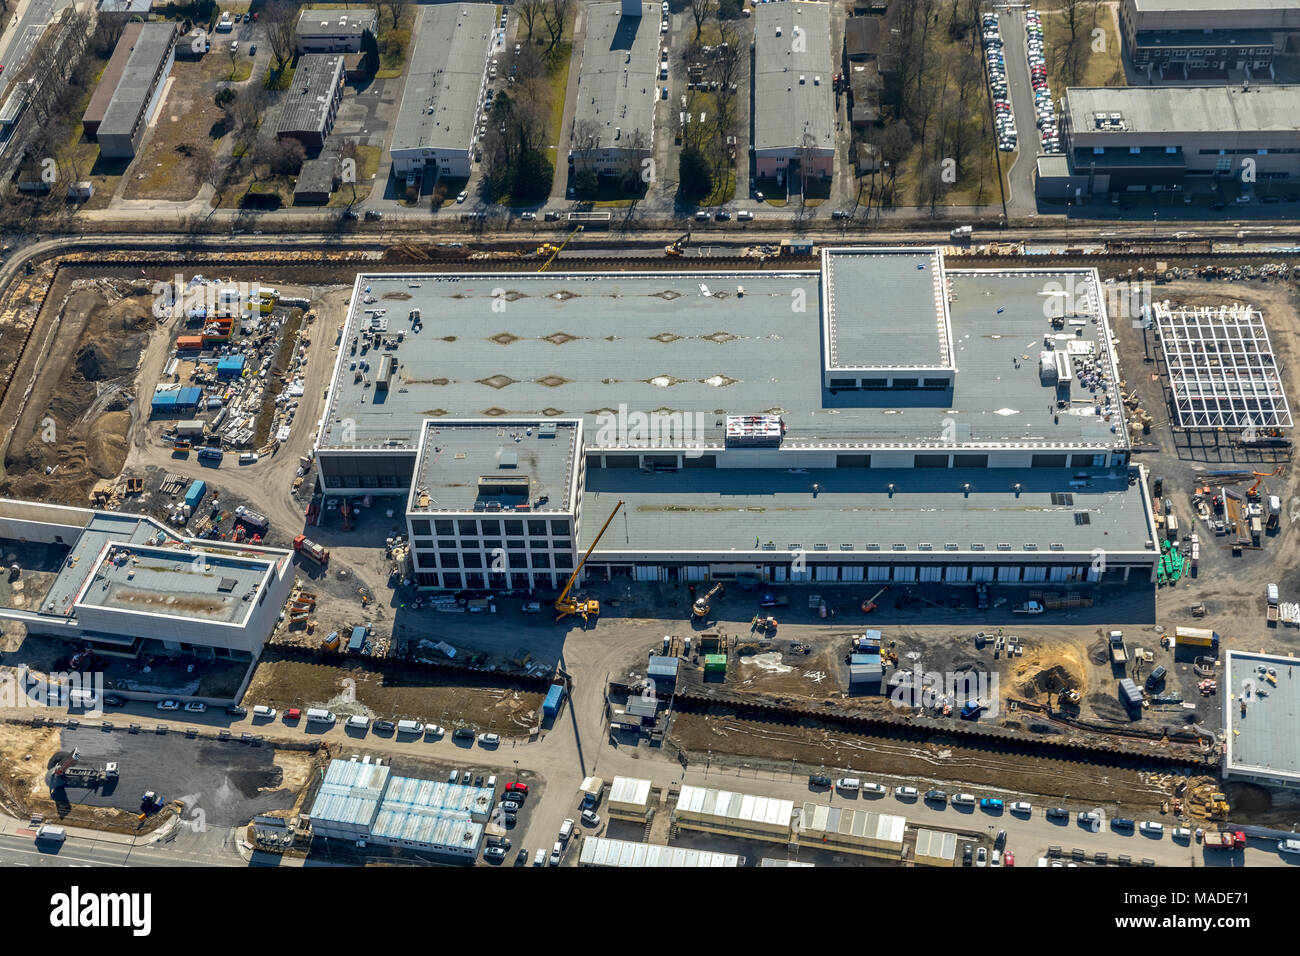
pixel 881 418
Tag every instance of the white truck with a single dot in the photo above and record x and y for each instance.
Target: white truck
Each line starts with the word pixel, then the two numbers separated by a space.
pixel 1118 653
pixel 1029 607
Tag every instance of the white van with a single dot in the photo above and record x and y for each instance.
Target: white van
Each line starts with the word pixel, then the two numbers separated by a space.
pixel 851 784
pixel 262 712
pixel 539 859
pixel 557 851
pixel 52 833
pixel 357 722
pixel 566 831
pixel 410 727
pixel 317 715
pixel 491 784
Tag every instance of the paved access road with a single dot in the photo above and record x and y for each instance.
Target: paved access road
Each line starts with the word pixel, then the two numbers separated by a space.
pixel 23 34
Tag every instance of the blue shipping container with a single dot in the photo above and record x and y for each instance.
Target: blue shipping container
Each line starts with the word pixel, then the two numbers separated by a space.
pixel 551 705
pixel 197 490
pixel 358 640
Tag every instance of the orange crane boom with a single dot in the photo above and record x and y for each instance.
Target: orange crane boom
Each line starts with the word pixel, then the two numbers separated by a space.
pixel 564 605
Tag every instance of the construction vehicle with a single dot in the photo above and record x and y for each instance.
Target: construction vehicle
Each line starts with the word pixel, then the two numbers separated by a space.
pixel 1271 596
pixel 565 605
pixel 675 247
pixel 83 776
pixel 869 604
pixel 1225 839
pixel 1118 653
pixel 1029 607
pixel 765 624
pixel 1217 806
pixel 701 608
pixel 308 548
pixel 551 251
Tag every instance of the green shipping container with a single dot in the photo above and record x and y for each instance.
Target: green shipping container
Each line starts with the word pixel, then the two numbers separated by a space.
pixel 715 662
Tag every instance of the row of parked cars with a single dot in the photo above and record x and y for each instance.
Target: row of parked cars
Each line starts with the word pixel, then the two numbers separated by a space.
pixel 996 65
pixel 1046 113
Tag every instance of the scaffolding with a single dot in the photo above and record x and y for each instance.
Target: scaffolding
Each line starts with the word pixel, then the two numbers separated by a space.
pixel 1221 367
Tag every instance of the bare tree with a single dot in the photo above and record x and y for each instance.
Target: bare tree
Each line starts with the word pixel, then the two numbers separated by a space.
pixel 555 14
pixel 531 11
pixel 701 10
pixel 350 154
pixel 585 139
pixel 281 23
pixel 726 63
pixel 394 9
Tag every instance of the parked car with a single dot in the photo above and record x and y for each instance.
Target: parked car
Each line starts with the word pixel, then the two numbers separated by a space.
pixel 262 712
pixel 590 818
pixel 1089 818
pixel 1008 859
pixel 489 740
pixel 876 789
pixel 112 700
pixel 293 713
pixel 528 216
pixel 463 733
pixel 1001 840
pixel 1057 813
pixel 515 787
pixel 509 818
pixel 982 857
pixel 818 780
pixel 1021 806
pixel 991 803
pixel 521 859
pixel 195 706
pixel 494 854
pixel 1121 823
pixel 462 196
pixel 908 793
pixel 1151 827
pixel 385 726
pixel 510 806
pixel 556 852
pixel 936 796
pixel 967 854
pixel 169 705
pixel 465 777
pixel 433 730
pixel 840 214
pixel 744 215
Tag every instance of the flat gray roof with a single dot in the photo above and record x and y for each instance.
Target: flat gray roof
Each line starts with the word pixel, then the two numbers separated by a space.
pixel 445 77
pixel 314 21
pixel 711 510
pixel 306 104
pixel 1227 7
pixel 906 321
pixel 572 345
pixel 1187 109
pixel 137 83
pixel 79 565
pixel 788 99
pixel 164 581
pixel 477 466
pixel 620 64
pixel 1264 740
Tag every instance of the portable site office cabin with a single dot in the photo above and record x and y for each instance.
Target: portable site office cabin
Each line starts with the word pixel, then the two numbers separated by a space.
pixel 554 697
pixel 197 490
pixel 358 640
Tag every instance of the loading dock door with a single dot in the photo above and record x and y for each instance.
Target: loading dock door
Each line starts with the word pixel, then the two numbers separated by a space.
pixel 848 573
pixel 905 572
pixel 696 572
pixel 931 572
pixel 981 572
pixel 1008 572
pixel 827 572
pixel 1063 573
pixel 646 572
pixel 956 572
pixel 878 572
pixel 800 574
pixel 1035 572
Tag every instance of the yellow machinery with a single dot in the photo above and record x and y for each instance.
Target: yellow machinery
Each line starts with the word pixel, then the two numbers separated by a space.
pixel 701 608
pixel 554 250
pixel 1218 806
pixel 675 247
pixel 565 605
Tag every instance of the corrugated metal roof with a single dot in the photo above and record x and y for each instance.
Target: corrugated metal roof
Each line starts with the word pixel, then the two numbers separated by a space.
pixel 630 791
pixel 936 844
pixel 735 807
pixel 598 851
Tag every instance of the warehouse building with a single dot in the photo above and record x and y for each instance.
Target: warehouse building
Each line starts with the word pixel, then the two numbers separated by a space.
pixel 1208 39
pixel 129 587
pixel 598 851
pixel 848 830
pixel 443 96
pixel 309 107
pixel 1169 139
pixel 794 103
pixel 614 113
pixel 734 814
pixel 334 31
pixel 130 88
pixel 1261 719
pixel 914 441
pixel 365 803
pixel 769 861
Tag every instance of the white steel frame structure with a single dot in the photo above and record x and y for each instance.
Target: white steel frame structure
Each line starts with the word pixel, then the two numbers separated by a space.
pixel 1221 367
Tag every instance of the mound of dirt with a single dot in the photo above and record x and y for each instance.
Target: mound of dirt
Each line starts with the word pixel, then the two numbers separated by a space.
pixel 106 444
pixel 1051 680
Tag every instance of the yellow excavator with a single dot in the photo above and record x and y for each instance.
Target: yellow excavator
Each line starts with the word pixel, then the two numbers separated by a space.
pixel 551 250
pixel 565 605
pixel 701 608
pixel 675 247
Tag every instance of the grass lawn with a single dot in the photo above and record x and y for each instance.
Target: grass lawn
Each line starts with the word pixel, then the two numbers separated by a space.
pixel 391 65
pixel 557 78
pixel 187 120
pixel 367 168
pixel 1099 68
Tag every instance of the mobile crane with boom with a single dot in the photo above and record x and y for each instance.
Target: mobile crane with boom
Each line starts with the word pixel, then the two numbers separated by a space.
pixel 565 605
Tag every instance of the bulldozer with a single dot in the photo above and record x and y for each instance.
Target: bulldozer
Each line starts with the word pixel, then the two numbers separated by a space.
pixel 701 607
pixel 1217 806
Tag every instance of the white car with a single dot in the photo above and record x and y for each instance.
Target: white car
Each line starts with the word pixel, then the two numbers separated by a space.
pixel 909 793
pixel 590 818
pixel 169 705
pixel 497 853
pixel 1147 826
pixel 874 788
pixel 1181 833
pixel 489 740
pixel 195 706
pixel 1020 806
pixel 464 194
pixel 433 730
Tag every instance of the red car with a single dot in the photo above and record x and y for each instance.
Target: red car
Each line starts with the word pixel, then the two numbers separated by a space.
pixel 515 787
pixel 293 713
pixel 1008 859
